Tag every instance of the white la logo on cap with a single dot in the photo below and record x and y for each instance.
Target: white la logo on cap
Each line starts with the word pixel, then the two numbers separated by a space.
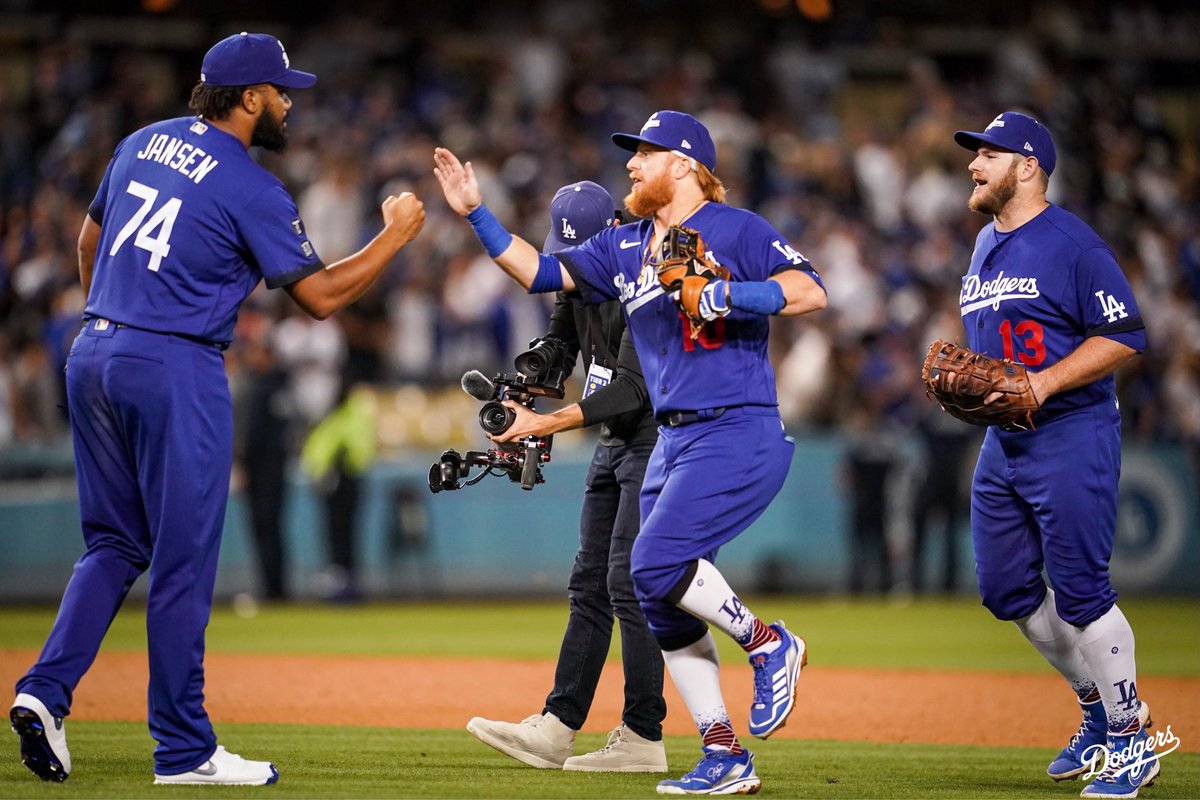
pixel 286 61
pixel 567 231
pixel 996 123
pixel 653 122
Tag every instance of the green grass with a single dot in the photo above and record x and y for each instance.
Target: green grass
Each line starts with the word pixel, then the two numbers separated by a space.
pixel 927 634
pixel 113 760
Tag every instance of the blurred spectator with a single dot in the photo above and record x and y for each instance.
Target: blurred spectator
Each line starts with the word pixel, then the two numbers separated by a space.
pixel 263 416
pixel 833 131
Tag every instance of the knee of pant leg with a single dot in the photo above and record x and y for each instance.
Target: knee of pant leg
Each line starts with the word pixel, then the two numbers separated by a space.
pixel 671 626
pixel 1083 611
pixel 1007 603
pixel 655 583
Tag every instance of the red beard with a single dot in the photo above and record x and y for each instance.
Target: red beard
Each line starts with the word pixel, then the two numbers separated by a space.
pixel 650 196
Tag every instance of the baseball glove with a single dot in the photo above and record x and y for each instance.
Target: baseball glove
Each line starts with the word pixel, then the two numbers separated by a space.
pixel 683 268
pixel 961 379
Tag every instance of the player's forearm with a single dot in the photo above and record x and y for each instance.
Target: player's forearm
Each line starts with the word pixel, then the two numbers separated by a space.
pixel 520 261
pixel 517 257
pixel 1096 358
pixel 343 282
pixel 89 239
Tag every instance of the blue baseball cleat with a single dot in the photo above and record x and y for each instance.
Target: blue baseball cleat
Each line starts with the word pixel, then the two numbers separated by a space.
pixel 717 772
pixel 1129 766
pixel 775 677
pixel 1074 759
pixel 43 740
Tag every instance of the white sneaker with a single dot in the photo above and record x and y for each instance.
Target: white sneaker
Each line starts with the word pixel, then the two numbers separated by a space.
pixel 540 740
pixel 625 752
pixel 43 739
pixel 224 768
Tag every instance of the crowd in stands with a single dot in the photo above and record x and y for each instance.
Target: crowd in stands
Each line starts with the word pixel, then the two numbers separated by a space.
pixel 853 161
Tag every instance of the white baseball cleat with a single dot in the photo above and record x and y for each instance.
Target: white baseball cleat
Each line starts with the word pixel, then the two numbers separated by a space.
pixel 224 768
pixel 43 739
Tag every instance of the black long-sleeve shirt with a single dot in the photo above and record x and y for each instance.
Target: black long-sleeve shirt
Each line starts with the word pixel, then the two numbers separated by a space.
pixel 597 333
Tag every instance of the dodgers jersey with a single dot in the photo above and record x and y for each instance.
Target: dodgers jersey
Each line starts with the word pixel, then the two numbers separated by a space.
pixel 1034 294
pixel 189 225
pixel 727 365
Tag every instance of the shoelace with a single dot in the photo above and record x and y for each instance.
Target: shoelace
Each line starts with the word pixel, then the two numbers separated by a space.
pixel 614 738
pixel 763 685
pixel 1079 734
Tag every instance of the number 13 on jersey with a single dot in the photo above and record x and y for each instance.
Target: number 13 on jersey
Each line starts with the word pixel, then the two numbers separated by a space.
pixel 163 219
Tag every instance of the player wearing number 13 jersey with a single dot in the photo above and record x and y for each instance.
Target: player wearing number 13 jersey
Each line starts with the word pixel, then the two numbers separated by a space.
pixel 1044 289
pixel 722 453
pixel 182 229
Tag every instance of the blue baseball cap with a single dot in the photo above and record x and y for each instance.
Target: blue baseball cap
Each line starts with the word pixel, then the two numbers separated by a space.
pixel 675 131
pixel 577 213
pixel 246 59
pixel 1017 132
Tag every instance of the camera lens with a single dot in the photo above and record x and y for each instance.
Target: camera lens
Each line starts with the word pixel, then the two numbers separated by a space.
pixel 537 359
pixel 496 418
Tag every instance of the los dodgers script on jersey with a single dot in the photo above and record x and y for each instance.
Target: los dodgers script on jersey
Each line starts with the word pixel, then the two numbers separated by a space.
pixel 613 266
pixel 189 225
pixel 1034 294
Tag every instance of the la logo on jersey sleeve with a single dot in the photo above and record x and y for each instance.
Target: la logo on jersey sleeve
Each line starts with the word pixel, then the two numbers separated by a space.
pixel 1110 307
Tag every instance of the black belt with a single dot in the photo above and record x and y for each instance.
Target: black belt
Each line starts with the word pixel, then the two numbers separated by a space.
pixel 674 419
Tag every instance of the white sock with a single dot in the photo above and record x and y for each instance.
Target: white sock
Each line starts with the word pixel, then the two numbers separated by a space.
pixel 1107 647
pixel 696 673
pixel 710 598
pixel 1057 640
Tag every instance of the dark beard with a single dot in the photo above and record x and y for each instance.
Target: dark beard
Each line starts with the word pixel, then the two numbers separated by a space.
pixel 651 197
pixel 998 195
pixel 269 133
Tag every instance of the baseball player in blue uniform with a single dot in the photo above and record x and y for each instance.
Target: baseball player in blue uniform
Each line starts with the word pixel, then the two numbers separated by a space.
pixel 722 452
pixel 600 587
pixel 1044 290
pixel 184 225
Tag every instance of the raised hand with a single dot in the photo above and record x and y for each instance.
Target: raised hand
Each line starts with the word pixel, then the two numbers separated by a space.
pixel 404 216
pixel 457 181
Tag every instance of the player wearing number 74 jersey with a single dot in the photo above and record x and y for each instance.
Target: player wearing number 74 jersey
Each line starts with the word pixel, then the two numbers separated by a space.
pixel 182 229
pixel 1045 290
pixel 722 453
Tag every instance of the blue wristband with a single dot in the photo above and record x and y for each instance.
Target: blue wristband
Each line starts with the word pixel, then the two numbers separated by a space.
pixel 492 235
pixel 758 297
pixel 549 275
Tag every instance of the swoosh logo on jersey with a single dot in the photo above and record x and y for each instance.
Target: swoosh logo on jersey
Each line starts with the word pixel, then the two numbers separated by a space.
pixel 627 245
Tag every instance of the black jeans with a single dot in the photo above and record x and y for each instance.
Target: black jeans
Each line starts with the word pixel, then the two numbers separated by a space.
pixel 600 588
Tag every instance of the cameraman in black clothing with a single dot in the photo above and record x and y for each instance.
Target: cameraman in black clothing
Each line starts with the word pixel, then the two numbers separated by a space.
pixel 600 587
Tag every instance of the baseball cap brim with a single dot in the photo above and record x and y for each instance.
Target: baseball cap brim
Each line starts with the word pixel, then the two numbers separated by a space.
pixel 971 141
pixel 553 245
pixel 629 141
pixel 294 79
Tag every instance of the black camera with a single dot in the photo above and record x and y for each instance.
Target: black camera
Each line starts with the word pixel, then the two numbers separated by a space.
pixel 541 372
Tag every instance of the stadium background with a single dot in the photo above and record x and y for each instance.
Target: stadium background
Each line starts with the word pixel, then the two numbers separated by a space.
pixel 833 120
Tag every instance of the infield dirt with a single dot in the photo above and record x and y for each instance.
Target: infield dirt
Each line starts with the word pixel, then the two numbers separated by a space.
pixel 985 708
